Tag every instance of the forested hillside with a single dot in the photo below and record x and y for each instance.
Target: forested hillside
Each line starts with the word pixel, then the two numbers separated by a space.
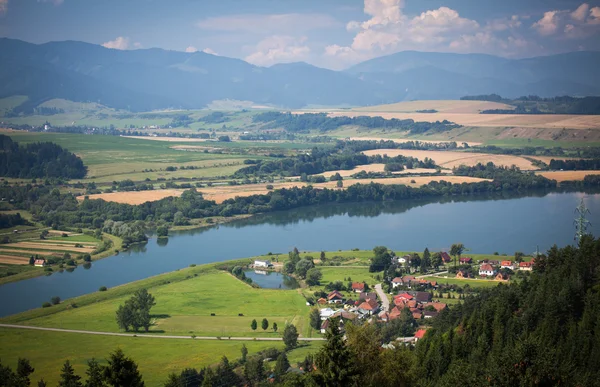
pixel 38 160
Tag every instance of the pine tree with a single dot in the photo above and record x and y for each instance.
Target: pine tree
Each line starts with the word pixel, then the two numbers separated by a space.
pixel 315 319
pixel 122 371
pixel 253 325
pixel 244 353
pixel 290 337
pixel 224 375
pixel 24 369
pixel 334 360
pixel 275 327
pixel 94 375
pixel 265 324
pixel 68 377
pixel 281 366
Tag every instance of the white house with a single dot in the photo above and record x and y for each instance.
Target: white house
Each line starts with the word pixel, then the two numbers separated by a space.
pixel 259 263
pixel 507 265
pixel 39 263
pixel 326 313
pixel 486 270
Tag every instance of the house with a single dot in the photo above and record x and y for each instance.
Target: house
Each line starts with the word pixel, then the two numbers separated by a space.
pixel 369 307
pixel 326 313
pixel 507 265
pixel 367 296
pixel 396 282
pixel 417 314
pixel 322 301
pixel 527 266
pixel 259 263
pixel 39 262
pixel 335 297
pixel 493 262
pixel 358 287
pixel 446 257
pixel 344 315
pixel 430 314
pixel 438 306
pixel 419 334
pixel 486 270
pixel 463 274
pixel 465 261
pixel 395 313
pixel 384 316
pixel 422 297
pixel 501 277
pixel 325 325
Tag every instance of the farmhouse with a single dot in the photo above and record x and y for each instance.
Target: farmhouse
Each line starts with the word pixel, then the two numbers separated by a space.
pixel 367 296
pixel 358 287
pixel 39 262
pixel 526 266
pixel 446 257
pixel 463 274
pixel 396 282
pixel 466 261
pixel 422 297
pixel 419 334
pixel 369 307
pixel 326 313
pixel 486 270
pixel 335 297
pixel 507 265
pixel 259 263
pixel 501 277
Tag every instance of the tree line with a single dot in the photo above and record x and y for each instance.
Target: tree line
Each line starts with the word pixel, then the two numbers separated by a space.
pixel 303 123
pixel 38 160
pixel 575 165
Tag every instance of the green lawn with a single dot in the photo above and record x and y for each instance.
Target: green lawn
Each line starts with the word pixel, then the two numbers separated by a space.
pixel 156 358
pixel 185 307
pixel 474 283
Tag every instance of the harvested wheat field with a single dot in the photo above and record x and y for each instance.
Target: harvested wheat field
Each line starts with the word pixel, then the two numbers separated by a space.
pixel 561 176
pixel 51 246
pixel 547 159
pixel 450 159
pixel 136 197
pixel 418 180
pixel 11 260
pixel 168 139
pixel 551 121
pixel 30 252
pixel 374 168
pixel 221 193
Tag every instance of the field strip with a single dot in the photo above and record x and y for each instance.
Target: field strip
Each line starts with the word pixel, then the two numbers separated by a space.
pixel 50 246
pixel 135 197
pixel 155 336
pixel 561 176
pixel 66 243
pixel 29 252
pixel 12 260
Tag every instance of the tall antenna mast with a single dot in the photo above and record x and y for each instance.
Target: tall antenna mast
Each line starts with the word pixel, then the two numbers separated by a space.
pixel 581 223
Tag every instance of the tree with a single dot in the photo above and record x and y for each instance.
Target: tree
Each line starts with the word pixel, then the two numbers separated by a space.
pixel 41 383
pixel 289 267
pixel 281 366
pixel 209 378
pixel 339 184
pixel 122 371
pixel 224 374
pixel 456 250
pixel 31 260
pixel 94 374
pixel 265 324
pixel 323 257
pixel 334 360
pixel 124 316
pixel 313 276
pixel 382 259
pixel 24 369
pixel 244 351
pixel 303 266
pixel 425 261
pixel 55 300
pixel 519 257
pixel 68 377
pixel 315 319
pixel 162 231
pixel 275 327
pixel 254 371
pixel 253 325
pixel 290 337
pixel 436 260
pixel 136 311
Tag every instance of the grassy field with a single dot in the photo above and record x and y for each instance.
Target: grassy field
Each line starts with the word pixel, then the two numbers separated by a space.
pixel 561 176
pixel 474 283
pixel 156 358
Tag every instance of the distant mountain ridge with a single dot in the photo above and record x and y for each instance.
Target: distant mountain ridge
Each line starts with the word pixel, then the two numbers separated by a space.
pixel 150 79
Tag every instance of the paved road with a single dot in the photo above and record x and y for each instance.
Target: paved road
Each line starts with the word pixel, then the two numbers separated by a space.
pixel 143 335
pixel 433 274
pixel 385 302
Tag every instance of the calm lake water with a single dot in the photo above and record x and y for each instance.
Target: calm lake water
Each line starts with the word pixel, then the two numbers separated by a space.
pixel 483 224
pixel 271 279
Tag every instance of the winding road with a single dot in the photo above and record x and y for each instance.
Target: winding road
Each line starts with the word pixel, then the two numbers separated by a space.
pixel 385 302
pixel 144 335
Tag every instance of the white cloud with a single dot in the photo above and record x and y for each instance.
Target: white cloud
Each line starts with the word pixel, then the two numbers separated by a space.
pixel 504 24
pixel 279 49
pixel 548 24
pixel 191 49
pixel 210 51
pixel 594 16
pixel 268 24
pixel 121 43
pixel 3 7
pixel 581 12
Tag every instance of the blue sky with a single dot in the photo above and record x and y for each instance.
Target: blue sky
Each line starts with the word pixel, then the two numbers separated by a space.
pixel 328 33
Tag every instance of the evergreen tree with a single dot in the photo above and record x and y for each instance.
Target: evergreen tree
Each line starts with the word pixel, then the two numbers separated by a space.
pixel 275 327
pixel 334 360
pixel 253 325
pixel 265 324
pixel 42 383
pixel 94 374
pixel 68 377
pixel 254 371
pixel 224 375
pixel 209 378
pixel 244 353
pixel 122 371
pixel 425 261
pixel 24 369
pixel 290 337
pixel 281 367
pixel 315 319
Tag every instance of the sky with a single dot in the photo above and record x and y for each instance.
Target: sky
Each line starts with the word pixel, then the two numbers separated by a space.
pixel 333 34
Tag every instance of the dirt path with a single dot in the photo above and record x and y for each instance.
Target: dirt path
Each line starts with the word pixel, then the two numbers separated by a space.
pixel 385 302
pixel 143 335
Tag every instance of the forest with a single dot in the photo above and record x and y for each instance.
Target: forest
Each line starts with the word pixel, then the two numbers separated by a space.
pixel 575 165
pixel 303 123
pixel 534 104
pixel 38 160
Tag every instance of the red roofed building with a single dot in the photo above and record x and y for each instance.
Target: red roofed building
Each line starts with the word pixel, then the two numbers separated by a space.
pixel 369 307
pixel 507 265
pixel 358 287
pixel 486 270
pixel 466 260
pixel 419 334
pixel 527 266
pixel 39 262
pixel 446 257
pixel 438 306
pixel 335 297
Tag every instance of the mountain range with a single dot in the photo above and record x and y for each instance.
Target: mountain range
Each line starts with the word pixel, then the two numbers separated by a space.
pixel 141 80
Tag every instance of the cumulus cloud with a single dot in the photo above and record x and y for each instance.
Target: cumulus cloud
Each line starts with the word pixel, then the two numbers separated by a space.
pixel 191 49
pixel 580 23
pixel 279 49
pixel 3 7
pixel 549 23
pixel 581 12
pixel 121 43
pixel 268 24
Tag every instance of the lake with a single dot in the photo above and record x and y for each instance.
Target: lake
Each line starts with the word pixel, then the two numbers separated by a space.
pixel 272 279
pixel 484 224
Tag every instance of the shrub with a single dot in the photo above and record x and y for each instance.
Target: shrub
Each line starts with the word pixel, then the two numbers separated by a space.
pixel 55 300
pixel 102 288
pixel 46 304
pixel 270 186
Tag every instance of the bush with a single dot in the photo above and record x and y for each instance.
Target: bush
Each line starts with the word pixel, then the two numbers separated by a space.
pixel 102 289
pixel 270 186
pixel 46 304
pixel 55 300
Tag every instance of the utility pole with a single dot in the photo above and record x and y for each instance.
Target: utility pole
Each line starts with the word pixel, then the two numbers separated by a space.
pixel 581 223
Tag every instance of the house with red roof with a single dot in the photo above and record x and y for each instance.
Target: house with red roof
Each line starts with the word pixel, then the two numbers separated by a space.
pixel 465 261
pixel 419 334
pixel 486 270
pixel 39 262
pixel 507 265
pixel 369 307
pixel 438 306
pixel 526 266
pixel 446 257
pixel 335 297
pixel 358 287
